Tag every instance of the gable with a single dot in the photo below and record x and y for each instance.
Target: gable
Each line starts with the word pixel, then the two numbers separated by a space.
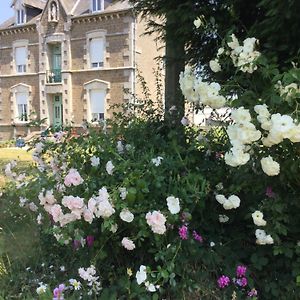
pixel 53 17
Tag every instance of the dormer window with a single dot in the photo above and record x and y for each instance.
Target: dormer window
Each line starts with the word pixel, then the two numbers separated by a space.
pixel 21 16
pixel 97 5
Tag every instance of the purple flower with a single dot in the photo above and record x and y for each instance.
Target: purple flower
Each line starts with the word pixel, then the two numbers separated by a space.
pixel 269 192
pixel 223 281
pixel 252 293
pixel 242 281
pixel 58 291
pixel 183 232
pixel 197 237
pixel 90 240
pixel 241 271
pixel 76 244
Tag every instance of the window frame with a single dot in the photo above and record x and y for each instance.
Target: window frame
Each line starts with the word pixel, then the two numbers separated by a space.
pixel 20 16
pixel 95 6
pixel 23 68
pixel 19 105
pixel 89 87
pixel 96 34
pixel 99 118
pixel 96 64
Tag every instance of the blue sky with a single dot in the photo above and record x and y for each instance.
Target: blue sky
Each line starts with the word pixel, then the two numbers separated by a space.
pixel 5 10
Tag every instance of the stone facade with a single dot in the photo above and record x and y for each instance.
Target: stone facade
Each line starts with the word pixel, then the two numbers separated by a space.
pixel 60 76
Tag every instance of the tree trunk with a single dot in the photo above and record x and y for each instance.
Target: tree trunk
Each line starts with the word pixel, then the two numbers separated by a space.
pixel 174 61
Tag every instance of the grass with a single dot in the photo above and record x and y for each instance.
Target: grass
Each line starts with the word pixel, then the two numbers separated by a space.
pixel 22 156
pixel 23 159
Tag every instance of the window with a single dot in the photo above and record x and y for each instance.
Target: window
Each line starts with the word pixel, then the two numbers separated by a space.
pixel 97 5
pixel 96 52
pixel 21 58
pixel 97 104
pixel 21 16
pixel 22 107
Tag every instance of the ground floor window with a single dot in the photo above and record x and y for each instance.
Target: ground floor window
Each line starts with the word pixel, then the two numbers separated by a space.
pixel 97 105
pixel 22 106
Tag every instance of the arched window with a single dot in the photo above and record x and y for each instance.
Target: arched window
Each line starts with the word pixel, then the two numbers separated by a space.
pixel 96 92
pixel 20 102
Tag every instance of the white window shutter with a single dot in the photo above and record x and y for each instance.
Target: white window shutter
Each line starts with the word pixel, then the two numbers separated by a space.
pixel 96 50
pixel 97 101
pixel 21 98
pixel 21 56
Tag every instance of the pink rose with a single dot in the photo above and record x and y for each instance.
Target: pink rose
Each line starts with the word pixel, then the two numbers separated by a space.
pixel 156 220
pixel 128 244
pixel 73 177
pixel 56 212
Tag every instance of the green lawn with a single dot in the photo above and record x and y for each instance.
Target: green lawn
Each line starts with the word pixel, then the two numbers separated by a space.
pixel 22 157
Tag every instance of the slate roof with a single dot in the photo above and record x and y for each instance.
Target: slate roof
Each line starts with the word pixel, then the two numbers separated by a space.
pixel 74 8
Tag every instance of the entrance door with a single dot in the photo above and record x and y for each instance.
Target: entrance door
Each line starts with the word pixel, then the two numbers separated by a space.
pixel 57 111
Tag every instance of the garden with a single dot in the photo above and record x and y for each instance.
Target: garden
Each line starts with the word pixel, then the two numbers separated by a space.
pixel 152 206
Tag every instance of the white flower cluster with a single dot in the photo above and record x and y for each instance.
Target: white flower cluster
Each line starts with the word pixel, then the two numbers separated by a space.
pixel 241 133
pixel 231 203
pixel 289 90
pixel 199 92
pixel 42 288
pixel 262 238
pixel 243 57
pixel 89 275
pixel 279 126
pixel 141 277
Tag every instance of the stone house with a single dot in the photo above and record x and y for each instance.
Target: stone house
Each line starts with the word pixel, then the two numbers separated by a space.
pixel 68 61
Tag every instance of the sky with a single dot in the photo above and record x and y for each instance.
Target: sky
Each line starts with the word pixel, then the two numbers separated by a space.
pixel 5 10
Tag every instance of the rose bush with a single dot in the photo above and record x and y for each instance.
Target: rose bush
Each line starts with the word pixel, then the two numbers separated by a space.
pixel 144 210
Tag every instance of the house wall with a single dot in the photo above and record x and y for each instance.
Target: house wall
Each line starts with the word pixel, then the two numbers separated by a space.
pixel 9 78
pixel 125 48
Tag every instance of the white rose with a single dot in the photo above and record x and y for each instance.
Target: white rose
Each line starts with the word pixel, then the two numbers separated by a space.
pixel 173 205
pixel 110 167
pixel 141 275
pixel 262 110
pixel 215 65
pixel 262 238
pixel 95 161
pixel 221 199
pixel 232 202
pixel 150 287
pixel 126 215
pixel 269 166
pixel 241 115
pixel 198 22
pixel 258 218
pixel 223 219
